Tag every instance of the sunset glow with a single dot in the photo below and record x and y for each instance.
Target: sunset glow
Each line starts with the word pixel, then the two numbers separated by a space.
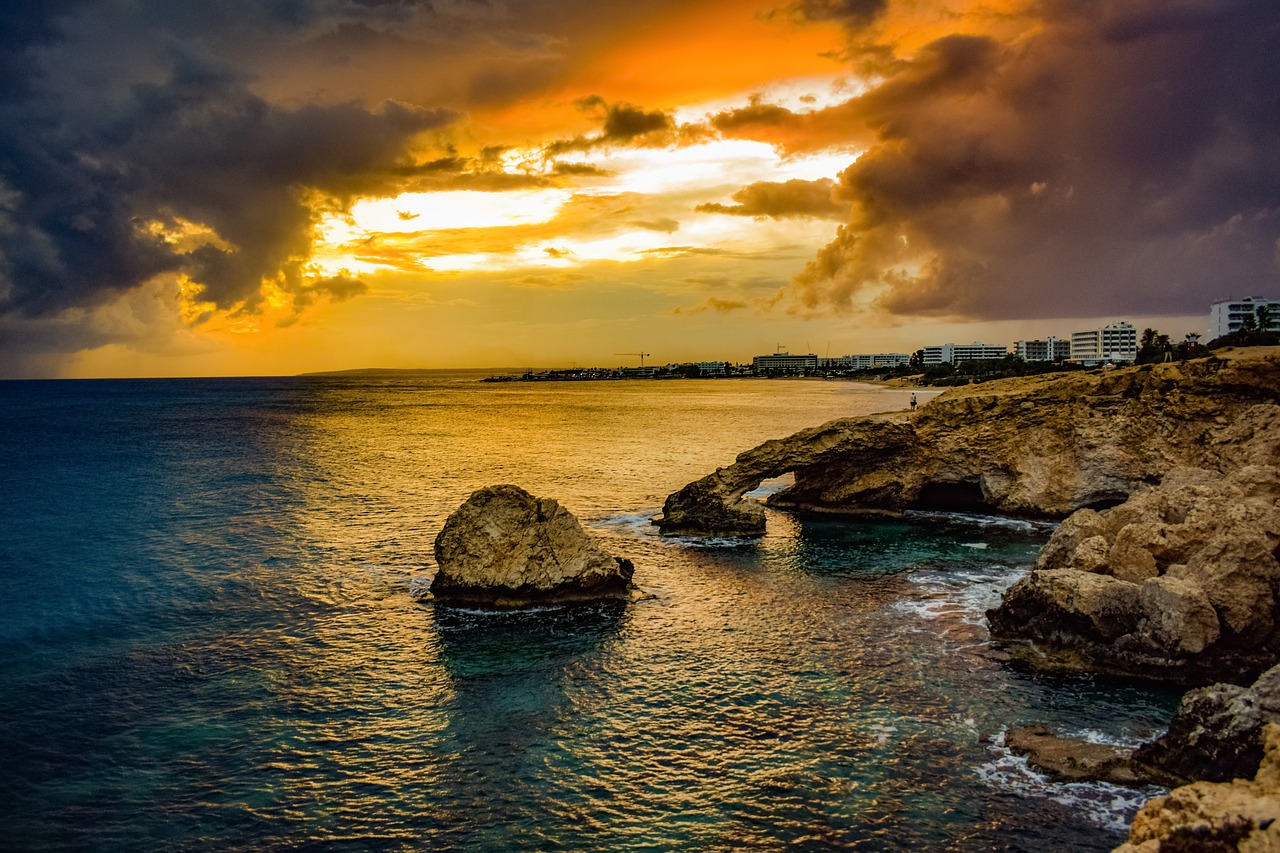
pixel 560 227
pixel 876 174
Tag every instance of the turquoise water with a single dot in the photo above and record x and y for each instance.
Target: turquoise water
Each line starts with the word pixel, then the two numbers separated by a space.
pixel 212 635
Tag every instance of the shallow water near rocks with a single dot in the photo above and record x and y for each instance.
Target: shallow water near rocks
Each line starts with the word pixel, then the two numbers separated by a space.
pixel 213 639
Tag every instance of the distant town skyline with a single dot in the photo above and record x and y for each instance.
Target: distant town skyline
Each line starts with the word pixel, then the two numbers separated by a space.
pixel 262 188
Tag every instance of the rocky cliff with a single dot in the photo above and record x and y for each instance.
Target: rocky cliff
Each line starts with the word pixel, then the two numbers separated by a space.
pixel 1239 815
pixel 1179 583
pixel 1216 734
pixel 1042 446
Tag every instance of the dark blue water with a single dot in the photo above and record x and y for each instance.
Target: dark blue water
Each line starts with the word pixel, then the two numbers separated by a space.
pixel 212 638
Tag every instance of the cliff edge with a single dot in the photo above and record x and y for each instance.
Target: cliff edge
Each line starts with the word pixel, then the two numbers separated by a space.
pixel 1040 446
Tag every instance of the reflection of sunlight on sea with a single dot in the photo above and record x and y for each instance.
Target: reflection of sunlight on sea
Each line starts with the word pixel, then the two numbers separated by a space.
pixel 232 652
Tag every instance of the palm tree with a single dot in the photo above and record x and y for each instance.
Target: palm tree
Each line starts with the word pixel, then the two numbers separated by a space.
pixel 1263 317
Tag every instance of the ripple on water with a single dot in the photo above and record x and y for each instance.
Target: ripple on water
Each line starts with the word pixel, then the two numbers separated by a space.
pixel 231 654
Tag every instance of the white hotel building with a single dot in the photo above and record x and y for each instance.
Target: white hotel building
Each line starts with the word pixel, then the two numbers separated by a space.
pixel 956 353
pixel 785 362
pixel 1228 315
pixel 1113 342
pixel 1049 349
pixel 865 361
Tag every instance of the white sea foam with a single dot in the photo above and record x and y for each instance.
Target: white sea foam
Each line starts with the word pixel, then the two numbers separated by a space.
pixel 982 520
pixel 961 593
pixel 419 587
pixel 1108 738
pixel 632 523
pixel 641 525
pixel 1102 804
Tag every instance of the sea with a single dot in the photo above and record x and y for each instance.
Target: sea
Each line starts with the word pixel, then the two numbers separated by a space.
pixel 215 634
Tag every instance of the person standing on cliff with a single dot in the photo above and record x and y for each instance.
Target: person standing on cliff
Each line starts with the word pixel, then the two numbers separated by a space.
pixel 913 401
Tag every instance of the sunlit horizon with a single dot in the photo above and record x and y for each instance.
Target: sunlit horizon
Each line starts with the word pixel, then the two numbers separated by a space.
pixel 368 186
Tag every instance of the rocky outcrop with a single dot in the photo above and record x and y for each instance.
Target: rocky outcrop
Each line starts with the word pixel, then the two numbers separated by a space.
pixel 1181 582
pixel 1216 734
pixel 1069 760
pixel 1041 446
pixel 504 548
pixel 1218 817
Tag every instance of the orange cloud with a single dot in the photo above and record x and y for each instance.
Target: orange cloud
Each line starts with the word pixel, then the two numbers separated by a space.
pixel 704 51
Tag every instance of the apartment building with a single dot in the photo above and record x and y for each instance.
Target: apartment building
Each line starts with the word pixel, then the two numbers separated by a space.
pixel 1049 349
pixel 1113 342
pixel 865 361
pixel 785 362
pixel 957 353
pixel 1228 315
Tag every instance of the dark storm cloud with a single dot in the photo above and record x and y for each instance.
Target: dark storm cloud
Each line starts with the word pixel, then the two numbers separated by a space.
pixel 855 13
pixel 1122 158
pixel 88 183
pixel 794 198
pixel 338 288
pixel 580 170
pixel 755 113
pixel 841 125
pixel 621 124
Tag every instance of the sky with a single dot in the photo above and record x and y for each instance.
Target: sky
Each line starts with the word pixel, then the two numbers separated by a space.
pixel 255 187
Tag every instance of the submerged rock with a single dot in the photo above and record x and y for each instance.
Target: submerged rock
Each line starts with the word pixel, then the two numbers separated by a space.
pixel 504 548
pixel 1038 446
pixel 1179 582
pixel 1216 734
pixel 1241 815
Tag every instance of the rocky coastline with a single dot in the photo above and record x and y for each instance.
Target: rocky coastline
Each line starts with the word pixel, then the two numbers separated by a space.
pixel 1177 584
pixel 1166 566
pixel 1039 447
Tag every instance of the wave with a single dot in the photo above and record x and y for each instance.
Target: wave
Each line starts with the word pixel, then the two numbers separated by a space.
pixel 1107 806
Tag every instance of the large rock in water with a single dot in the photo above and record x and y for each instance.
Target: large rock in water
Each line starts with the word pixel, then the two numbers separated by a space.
pixel 1216 734
pixel 1215 817
pixel 1038 446
pixel 505 548
pixel 1178 583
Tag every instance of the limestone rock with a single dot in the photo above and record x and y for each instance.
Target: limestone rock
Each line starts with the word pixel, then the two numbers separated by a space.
pixel 1091 555
pixel 1067 606
pixel 1199 550
pixel 1069 760
pixel 1216 734
pixel 1067 536
pixel 1036 446
pixel 505 548
pixel 1242 815
pixel 1177 616
pixel 1132 557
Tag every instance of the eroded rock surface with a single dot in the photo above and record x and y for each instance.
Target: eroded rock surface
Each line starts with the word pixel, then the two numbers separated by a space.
pixel 1217 817
pixel 1040 446
pixel 505 548
pixel 1180 582
pixel 1216 734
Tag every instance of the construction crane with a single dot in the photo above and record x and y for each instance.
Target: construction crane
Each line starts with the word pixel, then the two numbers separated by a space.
pixel 642 355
